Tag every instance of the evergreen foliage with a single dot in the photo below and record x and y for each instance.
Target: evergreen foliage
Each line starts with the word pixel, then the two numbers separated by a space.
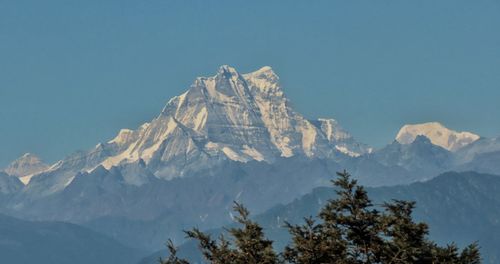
pixel 172 259
pixel 348 230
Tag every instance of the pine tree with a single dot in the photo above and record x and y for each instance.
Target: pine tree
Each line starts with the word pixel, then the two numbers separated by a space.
pixel 352 215
pixel 314 243
pixel 470 255
pixel 172 259
pixel 407 242
pixel 216 252
pixel 250 245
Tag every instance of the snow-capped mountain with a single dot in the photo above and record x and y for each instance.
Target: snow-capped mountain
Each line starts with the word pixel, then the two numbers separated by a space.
pixel 234 116
pixel 228 116
pixel 26 166
pixel 242 118
pixel 438 134
pixel 229 137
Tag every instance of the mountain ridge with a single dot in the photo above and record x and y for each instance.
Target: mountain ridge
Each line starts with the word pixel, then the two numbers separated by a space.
pixel 22 242
pixel 229 137
pixel 234 116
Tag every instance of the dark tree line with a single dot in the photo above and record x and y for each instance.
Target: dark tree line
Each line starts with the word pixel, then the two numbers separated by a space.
pixel 348 230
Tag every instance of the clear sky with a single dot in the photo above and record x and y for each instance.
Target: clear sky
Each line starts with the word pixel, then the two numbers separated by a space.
pixel 72 73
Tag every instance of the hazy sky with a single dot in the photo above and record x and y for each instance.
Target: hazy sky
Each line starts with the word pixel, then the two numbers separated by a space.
pixel 72 73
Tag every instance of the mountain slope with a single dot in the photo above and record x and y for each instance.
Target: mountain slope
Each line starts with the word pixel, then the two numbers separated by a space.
pixel 485 162
pixel 9 185
pixel 23 242
pixel 483 146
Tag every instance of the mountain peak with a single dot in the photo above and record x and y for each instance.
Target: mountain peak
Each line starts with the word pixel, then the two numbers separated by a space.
pixel 240 117
pixel 28 157
pixel 438 135
pixel 227 71
pixel 266 70
pixel 264 80
pixel 25 165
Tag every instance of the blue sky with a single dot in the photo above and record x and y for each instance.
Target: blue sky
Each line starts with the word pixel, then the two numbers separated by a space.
pixel 72 73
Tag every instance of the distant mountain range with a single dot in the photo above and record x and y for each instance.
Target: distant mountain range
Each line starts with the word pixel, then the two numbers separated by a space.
pixel 459 207
pixel 229 137
pixel 25 242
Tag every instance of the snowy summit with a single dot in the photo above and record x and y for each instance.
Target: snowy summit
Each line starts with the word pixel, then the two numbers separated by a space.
pixel 26 166
pixel 241 117
pixel 438 135
pixel 228 116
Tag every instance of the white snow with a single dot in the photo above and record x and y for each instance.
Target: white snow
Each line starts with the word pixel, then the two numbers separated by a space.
pixel 69 181
pixel 122 137
pixel 346 151
pixel 286 151
pixel 438 135
pixel 181 97
pixel 332 130
pixel 200 119
pixel 308 138
pixel 264 79
pixel 277 122
pixel 252 152
pixel 26 179
pixel 232 154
